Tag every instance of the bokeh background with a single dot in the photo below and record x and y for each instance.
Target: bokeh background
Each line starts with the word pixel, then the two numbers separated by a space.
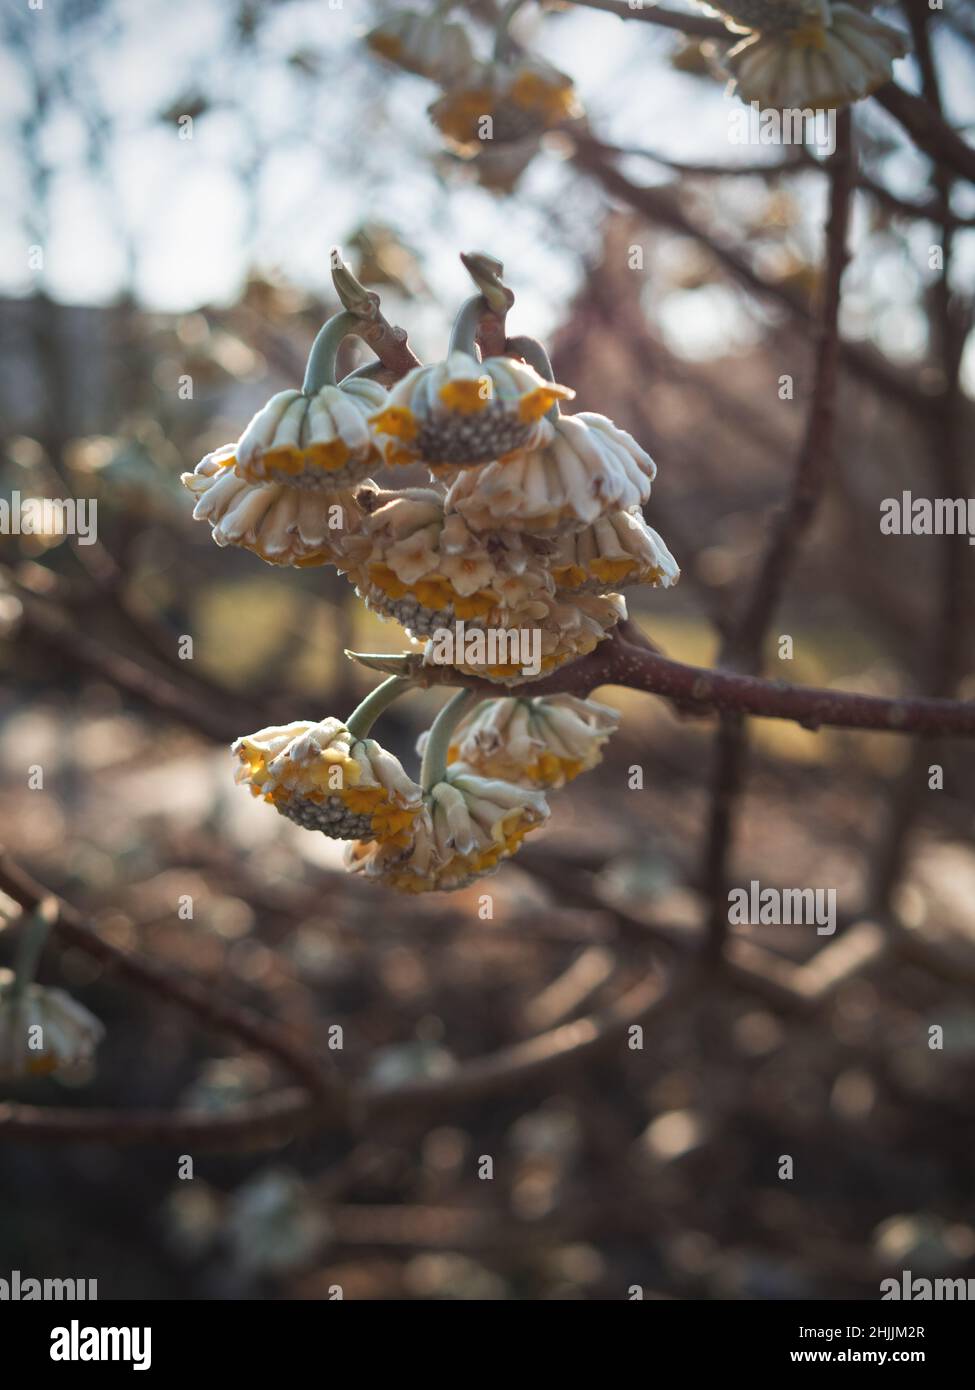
pixel 166 258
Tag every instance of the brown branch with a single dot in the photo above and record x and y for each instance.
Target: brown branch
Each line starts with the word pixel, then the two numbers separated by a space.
pixel 929 130
pixel 742 647
pixel 696 689
pixel 696 26
pixel 197 998
pixel 660 206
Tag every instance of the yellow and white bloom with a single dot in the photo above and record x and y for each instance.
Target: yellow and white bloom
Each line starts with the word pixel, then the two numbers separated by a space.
pixel 323 778
pixel 426 44
pixel 590 468
pixel 543 634
pixel 469 826
pixel 283 525
pixel 495 103
pixel 462 411
pixel 319 440
pixel 43 1031
pixel 411 562
pixel 542 742
pixel 814 54
pixel 617 550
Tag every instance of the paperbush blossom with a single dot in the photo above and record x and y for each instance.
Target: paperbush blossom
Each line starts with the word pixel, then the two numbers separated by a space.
pixel 617 550
pixel 505 567
pixel 43 1031
pixel 568 629
pixel 809 53
pixel 463 411
pixel 313 441
pixel 589 468
pixel 543 742
pixel 324 778
pixel 411 562
pixel 283 525
pixel 469 825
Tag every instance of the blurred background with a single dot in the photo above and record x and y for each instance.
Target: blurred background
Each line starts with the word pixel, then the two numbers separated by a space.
pixel 175 175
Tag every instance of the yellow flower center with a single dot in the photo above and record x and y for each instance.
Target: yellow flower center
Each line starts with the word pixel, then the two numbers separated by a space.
pixel 467 397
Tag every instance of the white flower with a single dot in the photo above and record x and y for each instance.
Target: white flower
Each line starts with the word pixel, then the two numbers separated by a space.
pixel 321 440
pixel 509 101
pixel 43 1031
pixel 542 742
pixel 564 629
pixel 825 62
pixel 283 525
pixel 410 562
pixel 423 43
pixel 462 411
pixel 324 778
pixel 618 549
pixel 469 825
pixel 591 467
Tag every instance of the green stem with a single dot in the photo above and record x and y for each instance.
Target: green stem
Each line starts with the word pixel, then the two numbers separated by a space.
pixel 321 360
pixel 463 335
pixel 362 718
pixel 434 766
pixel 535 355
pixel 34 934
pixel 502 38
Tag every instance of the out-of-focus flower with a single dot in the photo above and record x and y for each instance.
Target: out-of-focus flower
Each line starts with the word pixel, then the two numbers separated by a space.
pixel 503 102
pixel 566 629
pixel 275 1224
pixel 323 778
pixel 470 824
pixel 410 562
pixel 426 44
pixel 462 411
pixel 542 742
pixel 590 468
pixel 321 440
pixel 283 525
pixel 43 1031
pixel 617 550
pixel 809 53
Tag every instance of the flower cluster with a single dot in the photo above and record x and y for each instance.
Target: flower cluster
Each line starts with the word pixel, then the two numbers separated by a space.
pixel 808 53
pixel 505 565
pixel 491 112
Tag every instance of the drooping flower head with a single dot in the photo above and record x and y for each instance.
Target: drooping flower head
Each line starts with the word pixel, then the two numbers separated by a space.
pixel 503 102
pixel 590 468
pixel 283 525
pixel 318 440
pixel 617 550
pixel 324 778
pixel 809 53
pixel 411 562
pixel 462 411
pixel 542 742
pixel 426 44
pixel 469 825
pixel 536 638
pixel 43 1031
